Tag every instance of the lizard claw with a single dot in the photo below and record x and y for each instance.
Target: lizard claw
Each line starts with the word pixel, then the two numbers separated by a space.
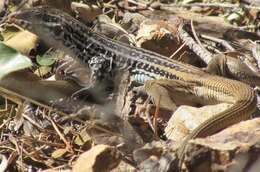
pixel 82 94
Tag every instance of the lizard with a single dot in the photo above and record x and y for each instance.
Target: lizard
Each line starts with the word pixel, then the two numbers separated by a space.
pixel 187 83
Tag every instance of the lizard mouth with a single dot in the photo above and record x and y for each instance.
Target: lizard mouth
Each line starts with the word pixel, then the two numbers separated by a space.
pixel 18 18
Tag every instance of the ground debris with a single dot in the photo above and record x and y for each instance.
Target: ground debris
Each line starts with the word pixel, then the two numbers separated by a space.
pixel 113 125
pixel 101 158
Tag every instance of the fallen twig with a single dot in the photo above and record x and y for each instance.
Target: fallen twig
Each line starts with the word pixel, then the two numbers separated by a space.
pixel 212 5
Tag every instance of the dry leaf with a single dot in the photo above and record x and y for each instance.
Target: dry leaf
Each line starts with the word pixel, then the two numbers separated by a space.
pixel 23 41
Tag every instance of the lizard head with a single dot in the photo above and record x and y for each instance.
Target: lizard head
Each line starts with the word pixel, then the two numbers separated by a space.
pixel 50 24
pixel 36 20
pixel 26 19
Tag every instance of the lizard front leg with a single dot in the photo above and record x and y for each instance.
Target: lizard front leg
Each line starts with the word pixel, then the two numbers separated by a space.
pixel 171 92
pixel 167 94
pixel 99 83
pixel 160 98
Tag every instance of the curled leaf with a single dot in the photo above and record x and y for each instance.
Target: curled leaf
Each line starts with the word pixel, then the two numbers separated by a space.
pixel 11 60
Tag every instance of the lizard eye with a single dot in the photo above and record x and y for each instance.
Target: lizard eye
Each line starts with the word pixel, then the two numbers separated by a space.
pixel 45 17
pixel 57 30
pixel 24 24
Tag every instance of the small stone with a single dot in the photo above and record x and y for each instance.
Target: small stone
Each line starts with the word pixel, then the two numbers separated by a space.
pixel 156 156
pixel 51 170
pixel 187 118
pixel 236 148
pixel 101 158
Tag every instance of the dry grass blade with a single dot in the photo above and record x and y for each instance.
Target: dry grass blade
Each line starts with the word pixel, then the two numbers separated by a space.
pixel 155 118
pixel 68 146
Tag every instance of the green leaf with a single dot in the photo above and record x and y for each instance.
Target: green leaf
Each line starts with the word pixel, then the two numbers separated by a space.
pixel 234 17
pixel 1 37
pixel 83 138
pixel 190 1
pixel 11 60
pixel 58 153
pixel 45 60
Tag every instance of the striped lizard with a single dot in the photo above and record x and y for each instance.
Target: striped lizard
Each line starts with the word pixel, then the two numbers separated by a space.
pixel 187 84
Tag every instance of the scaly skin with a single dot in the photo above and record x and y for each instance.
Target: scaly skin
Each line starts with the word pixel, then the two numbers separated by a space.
pixel 62 31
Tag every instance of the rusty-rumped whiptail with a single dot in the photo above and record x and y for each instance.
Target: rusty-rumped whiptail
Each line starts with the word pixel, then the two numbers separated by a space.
pixel 187 82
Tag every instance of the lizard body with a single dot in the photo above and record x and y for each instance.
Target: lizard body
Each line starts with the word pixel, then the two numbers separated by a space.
pixel 62 31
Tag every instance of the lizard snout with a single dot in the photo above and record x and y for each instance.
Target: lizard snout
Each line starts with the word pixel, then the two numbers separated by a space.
pixel 20 19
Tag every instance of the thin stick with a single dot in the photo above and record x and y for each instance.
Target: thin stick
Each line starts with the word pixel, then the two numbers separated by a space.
pixel 178 50
pixel 141 4
pixel 206 56
pixel 156 117
pixel 68 147
pixel 196 36
pixel 214 5
pixel 220 41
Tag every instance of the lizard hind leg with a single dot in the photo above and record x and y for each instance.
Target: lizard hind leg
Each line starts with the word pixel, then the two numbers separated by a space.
pixel 233 68
pixel 161 99
pixel 100 84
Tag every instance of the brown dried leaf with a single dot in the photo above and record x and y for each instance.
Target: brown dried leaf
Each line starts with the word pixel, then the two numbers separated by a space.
pixel 101 158
pixel 87 12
